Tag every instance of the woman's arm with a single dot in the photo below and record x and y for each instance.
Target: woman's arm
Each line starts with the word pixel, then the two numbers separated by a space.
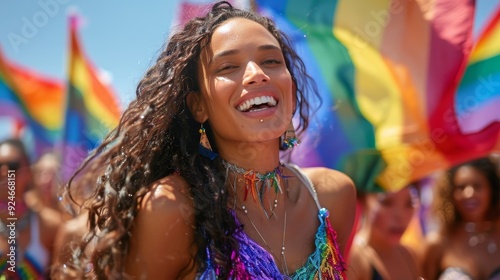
pixel 161 244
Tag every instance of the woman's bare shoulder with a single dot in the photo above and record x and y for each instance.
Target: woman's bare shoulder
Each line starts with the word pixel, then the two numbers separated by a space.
pixel 165 215
pixel 330 183
pixel 167 196
pixel 336 192
pixel 168 202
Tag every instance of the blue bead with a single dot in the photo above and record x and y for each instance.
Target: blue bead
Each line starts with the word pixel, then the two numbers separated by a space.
pixel 324 213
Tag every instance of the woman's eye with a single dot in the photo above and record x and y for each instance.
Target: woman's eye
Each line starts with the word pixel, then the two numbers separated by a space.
pixel 478 186
pixel 272 61
pixel 226 67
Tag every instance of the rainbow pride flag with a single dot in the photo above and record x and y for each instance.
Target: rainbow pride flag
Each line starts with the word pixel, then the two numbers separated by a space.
pixel 33 101
pixel 476 103
pixel 384 69
pixel 92 107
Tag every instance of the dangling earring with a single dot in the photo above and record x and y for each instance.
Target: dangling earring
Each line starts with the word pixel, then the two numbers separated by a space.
pixel 289 139
pixel 204 147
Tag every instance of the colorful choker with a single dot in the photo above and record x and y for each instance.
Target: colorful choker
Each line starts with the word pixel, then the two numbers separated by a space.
pixel 257 183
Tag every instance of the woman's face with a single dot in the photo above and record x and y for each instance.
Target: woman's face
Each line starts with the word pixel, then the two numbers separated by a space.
pixel 389 214
pixel 45 174
pixel 471 194
pixel 14 172
pixel 246 87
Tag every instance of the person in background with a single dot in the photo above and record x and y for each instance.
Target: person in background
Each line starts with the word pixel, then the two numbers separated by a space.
pixel 467 206
pixel 27 227
pixel 69 235
pixel 377 252
pixel 46 180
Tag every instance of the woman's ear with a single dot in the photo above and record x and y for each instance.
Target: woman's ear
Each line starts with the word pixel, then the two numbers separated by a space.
pixel 197 107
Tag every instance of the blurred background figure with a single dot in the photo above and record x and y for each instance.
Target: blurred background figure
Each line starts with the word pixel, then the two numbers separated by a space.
pixel 67 238
pixel 467 207
pixel 46 180
pixel 36 224
pixel 72 230
pixel 377 252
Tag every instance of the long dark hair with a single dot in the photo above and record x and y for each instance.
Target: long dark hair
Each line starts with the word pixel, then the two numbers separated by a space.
pixel 443 202
pixel 158 136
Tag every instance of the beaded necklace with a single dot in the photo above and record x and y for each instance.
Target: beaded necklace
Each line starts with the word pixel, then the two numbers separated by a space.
pixel 257 184
pixel 478 237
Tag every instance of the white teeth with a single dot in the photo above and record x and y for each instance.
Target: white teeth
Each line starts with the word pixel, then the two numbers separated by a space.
pixel 257 101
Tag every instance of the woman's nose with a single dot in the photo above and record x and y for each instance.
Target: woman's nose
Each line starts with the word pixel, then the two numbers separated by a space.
pixel 468 191
pixel 254 74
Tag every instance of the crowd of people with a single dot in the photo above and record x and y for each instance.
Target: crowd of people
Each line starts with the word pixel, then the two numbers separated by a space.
pixel 191 184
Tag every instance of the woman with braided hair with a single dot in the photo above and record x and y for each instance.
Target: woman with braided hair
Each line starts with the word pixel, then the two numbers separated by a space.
pixel 190 184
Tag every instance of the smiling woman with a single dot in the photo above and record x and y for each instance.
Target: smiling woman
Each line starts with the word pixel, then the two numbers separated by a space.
pixel 467 204
pixel 169 203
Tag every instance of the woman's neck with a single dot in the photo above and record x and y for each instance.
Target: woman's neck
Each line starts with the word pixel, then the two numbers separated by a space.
pixel 378 244
pixel 259 157
pixel 477 226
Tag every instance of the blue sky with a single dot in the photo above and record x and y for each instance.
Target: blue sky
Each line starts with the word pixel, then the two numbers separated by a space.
pixel 120 37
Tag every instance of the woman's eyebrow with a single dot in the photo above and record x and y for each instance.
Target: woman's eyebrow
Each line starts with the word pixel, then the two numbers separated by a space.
pixel 269 47
pixel 224 53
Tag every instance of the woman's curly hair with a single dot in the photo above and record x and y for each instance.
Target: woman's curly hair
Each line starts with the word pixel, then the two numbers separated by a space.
pixel 158 136
pixel 443 206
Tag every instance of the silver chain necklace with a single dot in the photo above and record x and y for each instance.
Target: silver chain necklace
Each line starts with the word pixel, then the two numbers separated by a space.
pixel 274 177
pixel 283 248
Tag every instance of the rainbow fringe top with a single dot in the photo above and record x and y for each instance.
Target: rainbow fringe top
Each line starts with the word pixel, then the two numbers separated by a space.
pixel 254 262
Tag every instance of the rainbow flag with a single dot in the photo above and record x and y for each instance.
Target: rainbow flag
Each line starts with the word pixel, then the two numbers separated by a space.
pixel 33 102
pixel 475 123
pixel 479 89
pixel 384 69
pixel 92 107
